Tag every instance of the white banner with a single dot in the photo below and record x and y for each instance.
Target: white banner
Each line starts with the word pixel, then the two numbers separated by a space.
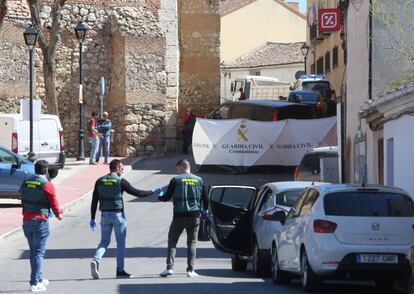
pixel 242 142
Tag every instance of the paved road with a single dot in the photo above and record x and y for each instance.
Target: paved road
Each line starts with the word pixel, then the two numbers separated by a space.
pixel 72 244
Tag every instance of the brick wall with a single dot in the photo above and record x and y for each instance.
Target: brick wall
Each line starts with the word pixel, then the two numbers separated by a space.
pixel 199 27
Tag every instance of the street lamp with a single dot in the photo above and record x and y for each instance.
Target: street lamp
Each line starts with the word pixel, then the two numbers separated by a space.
pixel 305 50
pixel 80 32
pixel 30 38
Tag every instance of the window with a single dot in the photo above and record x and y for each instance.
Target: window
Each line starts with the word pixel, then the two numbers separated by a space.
pixel 6 157
pixel 241 111
pixel 313 69
pixel 287 198
pixel 254 72
pixel 319 66
pixel 222 112
pixel 264 202
pixel 294 211
pixel 327 62
pixel 237 197
pixel 309 202
pixel 335 57
pixel 364 204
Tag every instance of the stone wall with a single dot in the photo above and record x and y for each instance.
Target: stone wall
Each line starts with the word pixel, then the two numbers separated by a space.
pixel 200 55
pixel 135 46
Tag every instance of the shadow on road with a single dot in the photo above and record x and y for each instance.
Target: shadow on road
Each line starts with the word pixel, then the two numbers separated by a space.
pixel 199 288
pixel 130 252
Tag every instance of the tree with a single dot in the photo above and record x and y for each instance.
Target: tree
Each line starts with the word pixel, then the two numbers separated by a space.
pixel 397 20
pixel 48 39
pixel 3 10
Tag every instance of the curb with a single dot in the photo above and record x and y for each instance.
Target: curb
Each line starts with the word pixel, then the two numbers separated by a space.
pixel 68 206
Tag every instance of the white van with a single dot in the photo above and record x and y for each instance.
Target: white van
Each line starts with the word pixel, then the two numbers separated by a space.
pixel 48 141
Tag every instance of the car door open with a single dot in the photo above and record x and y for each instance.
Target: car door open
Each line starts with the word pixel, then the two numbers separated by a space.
pixel 231 207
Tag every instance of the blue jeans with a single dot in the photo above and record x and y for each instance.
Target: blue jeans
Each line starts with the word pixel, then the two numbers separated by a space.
pixel 94 148
pixel 37 232
pixel 117 221
pixel 104 143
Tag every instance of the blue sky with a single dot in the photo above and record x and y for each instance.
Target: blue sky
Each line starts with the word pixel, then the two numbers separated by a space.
pixel 302 4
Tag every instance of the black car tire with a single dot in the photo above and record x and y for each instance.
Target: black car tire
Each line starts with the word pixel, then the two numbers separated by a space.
pixel 261 261
pixel 238 264
pixel 310 281
pixel 278 276
pixel 385 284
pixel 53 173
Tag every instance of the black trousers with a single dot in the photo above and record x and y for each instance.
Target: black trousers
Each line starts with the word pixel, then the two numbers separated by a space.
pixel 191 224
pixel 187 139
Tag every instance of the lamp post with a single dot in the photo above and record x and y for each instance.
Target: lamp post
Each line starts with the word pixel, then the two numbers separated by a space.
pixel 30 38
pixel 80 32
pixel 305 50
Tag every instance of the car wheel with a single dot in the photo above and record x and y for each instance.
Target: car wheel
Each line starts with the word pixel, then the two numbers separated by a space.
pixel 261 266
pixel 385 284
pixel 278 276
pixel 310 281
pixel 53 173
pixel 238 264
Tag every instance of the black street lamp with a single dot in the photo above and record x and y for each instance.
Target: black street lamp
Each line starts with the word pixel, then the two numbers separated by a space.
pixel 80 32
pixel 305 50
pixel 30 38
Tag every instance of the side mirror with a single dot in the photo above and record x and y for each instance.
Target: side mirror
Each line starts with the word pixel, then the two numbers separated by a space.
pixel 232 87
pixel 279 216
pixel 16 163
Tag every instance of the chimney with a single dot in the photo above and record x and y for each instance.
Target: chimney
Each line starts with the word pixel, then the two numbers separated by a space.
pixel 294 5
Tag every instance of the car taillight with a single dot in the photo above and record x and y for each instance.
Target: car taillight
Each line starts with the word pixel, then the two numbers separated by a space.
pixel 276 116
pixel 296 174
pixel 324 227
pixel 14 143
pixel 62 142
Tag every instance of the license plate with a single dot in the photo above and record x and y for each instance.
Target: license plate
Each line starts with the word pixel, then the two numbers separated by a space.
pixel 377 258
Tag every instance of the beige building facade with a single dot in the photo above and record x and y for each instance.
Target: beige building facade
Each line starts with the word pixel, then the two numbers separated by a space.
pixel 326 54
pixel 249 24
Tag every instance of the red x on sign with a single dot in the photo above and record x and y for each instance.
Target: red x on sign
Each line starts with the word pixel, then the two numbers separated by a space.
pixel 328 20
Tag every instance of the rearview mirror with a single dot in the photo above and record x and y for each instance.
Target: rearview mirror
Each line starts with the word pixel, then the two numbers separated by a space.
pixel 279 216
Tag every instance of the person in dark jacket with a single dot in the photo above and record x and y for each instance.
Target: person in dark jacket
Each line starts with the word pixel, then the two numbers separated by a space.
pixel 189 195
pixel 108 192
pixel 104 127
pixel 38 200
pixel 189 120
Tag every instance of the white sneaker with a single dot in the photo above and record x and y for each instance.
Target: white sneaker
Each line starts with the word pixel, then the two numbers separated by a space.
pixel 45 282
pixel 192 274
pixel 95 269
pixel 166 272
pixel 38 288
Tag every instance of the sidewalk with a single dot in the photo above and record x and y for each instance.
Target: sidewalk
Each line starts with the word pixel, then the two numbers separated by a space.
pixel 74 181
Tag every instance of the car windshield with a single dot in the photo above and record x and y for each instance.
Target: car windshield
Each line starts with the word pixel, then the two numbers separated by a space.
pixel 304 97
pixel 287 198
pixel 360 203
pixel 317 85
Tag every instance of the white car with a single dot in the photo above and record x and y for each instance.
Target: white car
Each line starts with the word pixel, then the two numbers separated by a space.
pixel 341 230
pixel 242 220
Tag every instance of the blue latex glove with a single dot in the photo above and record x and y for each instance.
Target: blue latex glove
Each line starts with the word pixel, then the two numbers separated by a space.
pixel 92 224
pixel 51 214
pixel 158 192
pixel 204 212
